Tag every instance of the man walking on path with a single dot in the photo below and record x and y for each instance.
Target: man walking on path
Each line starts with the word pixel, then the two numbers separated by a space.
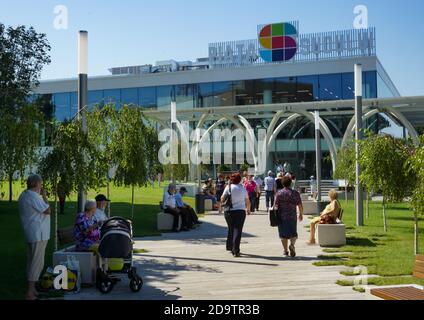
pixel 34 213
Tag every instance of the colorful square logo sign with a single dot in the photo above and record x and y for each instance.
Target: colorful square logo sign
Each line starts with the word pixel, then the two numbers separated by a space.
pixel 277 42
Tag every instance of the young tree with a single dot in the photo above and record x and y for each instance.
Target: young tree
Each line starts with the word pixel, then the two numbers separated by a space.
pixel 70 163
pixel 383 160
pixel 135 149
pixel 102 123
pixel 345 167
pixel 19 139
pixel 23 53
pixel 415 167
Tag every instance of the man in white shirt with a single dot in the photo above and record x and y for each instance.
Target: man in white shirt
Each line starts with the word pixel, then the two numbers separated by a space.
pixel 170 207
pixel 34 213
pixel 102 203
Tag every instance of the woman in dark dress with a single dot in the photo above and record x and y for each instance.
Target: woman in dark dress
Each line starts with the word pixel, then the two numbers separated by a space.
pixel 288 204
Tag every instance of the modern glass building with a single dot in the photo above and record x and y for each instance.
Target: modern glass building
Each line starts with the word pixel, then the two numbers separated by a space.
pixel 238 74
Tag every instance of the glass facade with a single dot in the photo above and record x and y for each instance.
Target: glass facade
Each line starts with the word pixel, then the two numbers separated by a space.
pixel 221 94
pixel 295 143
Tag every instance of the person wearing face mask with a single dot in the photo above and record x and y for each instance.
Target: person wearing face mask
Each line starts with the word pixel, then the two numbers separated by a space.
pixel 102 202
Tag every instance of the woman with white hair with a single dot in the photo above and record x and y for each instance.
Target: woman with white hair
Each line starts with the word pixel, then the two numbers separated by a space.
pixel 86 228
pixel 34 211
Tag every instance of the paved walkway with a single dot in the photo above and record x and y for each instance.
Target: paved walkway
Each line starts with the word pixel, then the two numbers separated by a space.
pixel 195 265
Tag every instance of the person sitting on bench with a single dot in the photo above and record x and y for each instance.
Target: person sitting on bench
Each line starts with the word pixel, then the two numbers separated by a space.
pixel 328 216
pixel 208 191
pixel 193 220
pixel 170 207
pixel 86 229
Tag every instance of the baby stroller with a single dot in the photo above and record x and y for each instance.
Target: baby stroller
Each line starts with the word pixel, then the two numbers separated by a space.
pixel 116 243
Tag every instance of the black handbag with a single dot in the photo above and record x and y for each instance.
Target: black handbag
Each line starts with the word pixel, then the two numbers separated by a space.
pixel 227 204
pixel 274 219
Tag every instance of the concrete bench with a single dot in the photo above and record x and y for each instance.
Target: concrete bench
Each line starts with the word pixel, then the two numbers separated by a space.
pixel 331 235
pixel 87 263
pixel 208 205
pixel 165 222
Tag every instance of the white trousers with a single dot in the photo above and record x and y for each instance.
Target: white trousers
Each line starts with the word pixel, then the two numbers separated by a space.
pixel 35 262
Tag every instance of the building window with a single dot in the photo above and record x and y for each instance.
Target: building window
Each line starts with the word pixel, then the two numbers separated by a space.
pixel 285 90
pixel 307 88
pixel 74 104
pixel 204 95
pixel 223 94
pixel 330 87
pixel 62 106
pixel 95 98
pixel 113 97
pixel 147 97
pixel 244 92
pixel 164 94
pixel 129 96
pixel 184 96
pixel 348 86
pixel 264 91
pixel 370 84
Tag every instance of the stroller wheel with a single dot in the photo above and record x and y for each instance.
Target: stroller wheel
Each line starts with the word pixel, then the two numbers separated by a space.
pixel 136 284
pixel 106 286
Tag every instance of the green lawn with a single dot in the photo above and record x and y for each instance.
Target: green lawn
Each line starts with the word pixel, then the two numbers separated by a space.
pixel 390 255
pixel 12 243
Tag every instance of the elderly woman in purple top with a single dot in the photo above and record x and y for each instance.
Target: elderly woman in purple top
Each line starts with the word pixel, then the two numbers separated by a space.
pixel 288 204
pixel 86 228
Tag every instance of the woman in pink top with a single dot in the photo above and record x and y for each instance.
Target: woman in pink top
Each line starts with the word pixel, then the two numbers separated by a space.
pixel 251 189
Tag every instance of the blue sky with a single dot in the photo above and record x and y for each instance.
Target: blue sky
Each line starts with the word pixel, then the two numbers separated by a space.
pixel 130 32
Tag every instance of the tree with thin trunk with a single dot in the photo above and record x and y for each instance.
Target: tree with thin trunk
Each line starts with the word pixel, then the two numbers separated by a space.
pixel 23 54
pixel 134 148
pixel 383 159
pixel 69 163
pixel 345 167
pixel 415 169
pixel 20 136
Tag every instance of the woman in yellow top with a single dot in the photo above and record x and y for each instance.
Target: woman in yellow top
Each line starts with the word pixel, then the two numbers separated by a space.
pixel 328 216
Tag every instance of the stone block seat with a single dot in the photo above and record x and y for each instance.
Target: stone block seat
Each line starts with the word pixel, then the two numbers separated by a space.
pixel 87 260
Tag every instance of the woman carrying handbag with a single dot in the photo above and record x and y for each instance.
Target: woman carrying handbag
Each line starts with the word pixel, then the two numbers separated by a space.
pixel 236 204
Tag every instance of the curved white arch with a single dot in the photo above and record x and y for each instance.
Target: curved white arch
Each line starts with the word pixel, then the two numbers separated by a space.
pixel 351 127
pixel 402 119
pixel 323 127
pixel 390 111
pixel 242 125
pixel 327 136
pixel 251 140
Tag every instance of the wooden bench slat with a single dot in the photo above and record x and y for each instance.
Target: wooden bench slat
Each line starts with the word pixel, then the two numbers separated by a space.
pixel 420 258
pixel 402 293
pixel 419 275
pixel 419 269
pixel 409 293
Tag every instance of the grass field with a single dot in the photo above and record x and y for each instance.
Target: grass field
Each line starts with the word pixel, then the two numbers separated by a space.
pixel 389 255
pixel 12 243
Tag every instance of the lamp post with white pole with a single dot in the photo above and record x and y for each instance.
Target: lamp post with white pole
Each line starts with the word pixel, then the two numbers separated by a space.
pixel 174 142
pixel 82 95
pixel 318 154
pixel 359 205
